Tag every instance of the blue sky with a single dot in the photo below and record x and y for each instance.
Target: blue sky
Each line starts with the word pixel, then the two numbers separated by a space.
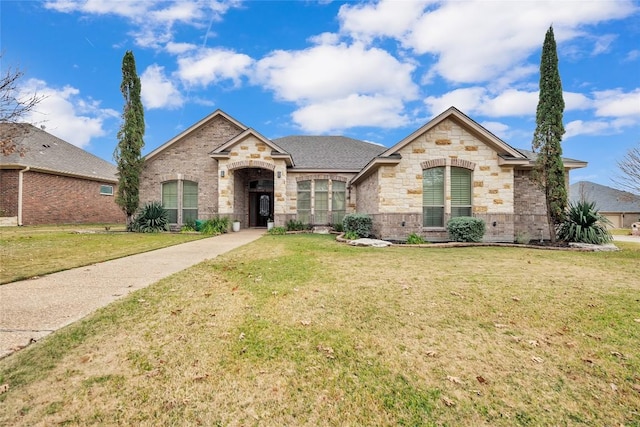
pixel 369 70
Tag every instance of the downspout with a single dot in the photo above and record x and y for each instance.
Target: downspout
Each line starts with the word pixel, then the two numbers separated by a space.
pixel 20 180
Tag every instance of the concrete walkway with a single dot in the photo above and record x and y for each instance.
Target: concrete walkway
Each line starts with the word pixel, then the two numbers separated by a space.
pixel 31 309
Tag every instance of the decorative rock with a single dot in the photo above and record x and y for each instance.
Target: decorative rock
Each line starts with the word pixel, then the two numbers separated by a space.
pixel 370 242
pixel 610 247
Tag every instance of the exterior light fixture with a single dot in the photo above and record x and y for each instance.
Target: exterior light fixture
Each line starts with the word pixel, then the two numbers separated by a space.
pixel 222 174
pixel 279 174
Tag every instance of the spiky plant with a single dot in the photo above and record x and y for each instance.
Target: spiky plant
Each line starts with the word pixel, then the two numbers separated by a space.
pixel 584 224
pixel 152 218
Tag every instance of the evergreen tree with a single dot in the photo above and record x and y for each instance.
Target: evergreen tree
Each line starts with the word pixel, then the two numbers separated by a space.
pixel 128 153
pixel 549 169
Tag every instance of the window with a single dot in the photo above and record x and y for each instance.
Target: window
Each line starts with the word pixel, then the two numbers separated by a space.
pixel 321 201
pixel 304 202
pixel 189 201
pixel 460 192
pixel 170 200
pixel 433 197
pixel 338 201
pixel 106 190
pixel 434 193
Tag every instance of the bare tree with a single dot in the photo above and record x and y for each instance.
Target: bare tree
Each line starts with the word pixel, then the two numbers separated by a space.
pixel 629 176
pixel 13 108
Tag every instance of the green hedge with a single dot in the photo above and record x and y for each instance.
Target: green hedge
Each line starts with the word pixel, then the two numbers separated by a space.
pixel 466 229
pixel 357 223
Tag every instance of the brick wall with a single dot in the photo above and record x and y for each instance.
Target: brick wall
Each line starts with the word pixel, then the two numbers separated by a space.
pixel 9 192
pixel 189 159
pixel 55 199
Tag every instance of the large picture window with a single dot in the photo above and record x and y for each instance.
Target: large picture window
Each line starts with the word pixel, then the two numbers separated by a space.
pixel 321 201
pixel 180 199
pixel 434 194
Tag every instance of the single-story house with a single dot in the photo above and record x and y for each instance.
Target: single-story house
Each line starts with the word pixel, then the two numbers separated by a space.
pixel 45 180
pixel 451 166
pixel 620 207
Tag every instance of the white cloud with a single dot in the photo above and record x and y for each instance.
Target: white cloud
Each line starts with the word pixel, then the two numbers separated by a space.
pixel 212 66
pixel 157 90
pixel 467 100
pixel 616 103
pixel 386 18
pixel 153 19
pixel 323 73
pixel 499 129
pixel 477 41
pixel 351 111
pixel 581 127
pixel 65 114
pixel 179 48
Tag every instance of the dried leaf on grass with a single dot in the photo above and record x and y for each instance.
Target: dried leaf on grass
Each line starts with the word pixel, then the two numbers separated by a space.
pixel 500 325
pixel 4 388
pixel 636 387
pixel 328 351
pixel 536 359
pixel 533 343
pixel 481 379
pixel 305 322
pixel 431 353
pixel 516 299
pixel 448 402
pixel 457 294
pixel 614 388
pixel 454 380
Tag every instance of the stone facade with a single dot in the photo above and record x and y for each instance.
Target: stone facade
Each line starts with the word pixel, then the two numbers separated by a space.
pixel 235 167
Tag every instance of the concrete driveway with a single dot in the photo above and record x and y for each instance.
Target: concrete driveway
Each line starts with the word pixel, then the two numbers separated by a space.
pixel 31 309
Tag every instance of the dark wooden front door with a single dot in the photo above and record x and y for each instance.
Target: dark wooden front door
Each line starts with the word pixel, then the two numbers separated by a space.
pixel 260 208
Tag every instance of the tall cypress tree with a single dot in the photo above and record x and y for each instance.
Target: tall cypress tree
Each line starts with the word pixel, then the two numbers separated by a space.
pixel 549 169
pixel 128 153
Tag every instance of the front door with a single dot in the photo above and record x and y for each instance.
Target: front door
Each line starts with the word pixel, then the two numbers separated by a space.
pixel 260 208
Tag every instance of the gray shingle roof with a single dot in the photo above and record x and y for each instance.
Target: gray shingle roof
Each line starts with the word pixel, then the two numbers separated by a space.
pixel 533 156
pixel 329 152
pixel 607 199
pixel 42 151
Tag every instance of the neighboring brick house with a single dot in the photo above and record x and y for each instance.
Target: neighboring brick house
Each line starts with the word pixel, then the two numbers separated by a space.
pixel 620 207
pixel 46 180
pixel 451 166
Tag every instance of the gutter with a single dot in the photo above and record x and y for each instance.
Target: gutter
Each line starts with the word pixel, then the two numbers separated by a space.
pixel 20 183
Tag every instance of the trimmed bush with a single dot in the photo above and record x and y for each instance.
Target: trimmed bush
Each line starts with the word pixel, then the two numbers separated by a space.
pixel 351 235
pixel 277 231
pixel 466 229
pixel 584 224
pixel 357 223
pixel 152 218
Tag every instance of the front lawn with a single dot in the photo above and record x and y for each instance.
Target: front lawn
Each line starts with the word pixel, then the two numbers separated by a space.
pixel 32 251
pixel 302 330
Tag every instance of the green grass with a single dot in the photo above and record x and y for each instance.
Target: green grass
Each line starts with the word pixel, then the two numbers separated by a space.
pixel 302 330
pixel 33 251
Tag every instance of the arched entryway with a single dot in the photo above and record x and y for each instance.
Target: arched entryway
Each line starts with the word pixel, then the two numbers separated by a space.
pixel 253 196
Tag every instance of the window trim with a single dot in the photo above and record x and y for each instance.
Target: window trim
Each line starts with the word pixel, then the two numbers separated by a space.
pixel 448 206
pixel 106 193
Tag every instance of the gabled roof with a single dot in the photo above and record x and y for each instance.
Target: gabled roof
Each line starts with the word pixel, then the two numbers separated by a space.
pixel 222 152
pixel 44 152
pixel 469 124
pixel 329 153
pixel 191 129
pixel 607 199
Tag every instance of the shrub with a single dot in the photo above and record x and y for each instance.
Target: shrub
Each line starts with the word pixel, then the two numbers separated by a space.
pixel 415 239
pixel 523 237
pixel 466 229
pixel 357 223
pixel 151 218
pixel 295 225
pixel 351 235
pixel 338 227
pixel 584 224
pixel 215 226
pixel 276 231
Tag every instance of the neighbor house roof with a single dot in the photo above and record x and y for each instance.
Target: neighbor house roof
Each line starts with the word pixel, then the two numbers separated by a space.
pixel 44 152
pixel 607 199
pixel 568 163
pixel 328 152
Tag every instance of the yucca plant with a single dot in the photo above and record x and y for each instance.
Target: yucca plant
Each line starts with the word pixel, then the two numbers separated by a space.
pixel 584 224
pixel 152 218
